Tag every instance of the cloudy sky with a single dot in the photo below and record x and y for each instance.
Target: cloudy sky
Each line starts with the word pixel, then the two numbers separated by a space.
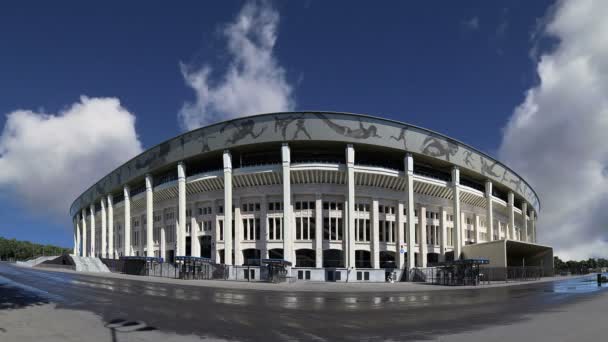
pixel 84 89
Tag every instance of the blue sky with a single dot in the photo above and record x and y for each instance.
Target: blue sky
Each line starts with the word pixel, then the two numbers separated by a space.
pixel 460 68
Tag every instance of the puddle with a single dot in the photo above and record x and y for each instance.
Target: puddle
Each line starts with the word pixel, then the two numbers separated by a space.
pixel 580 285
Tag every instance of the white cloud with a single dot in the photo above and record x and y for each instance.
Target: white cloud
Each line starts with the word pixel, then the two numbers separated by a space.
pixel 47 160
pixel 254 82
pixel 558 137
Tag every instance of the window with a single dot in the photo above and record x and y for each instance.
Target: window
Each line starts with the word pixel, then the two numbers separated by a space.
pixel 274 206
pixel 275 231
pixel 332 228
pixel 305 220
pixel 362 230
pixel 251 229
pixel 386 231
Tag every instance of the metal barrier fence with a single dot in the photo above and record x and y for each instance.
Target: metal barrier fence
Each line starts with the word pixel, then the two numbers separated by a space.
pixel 484 275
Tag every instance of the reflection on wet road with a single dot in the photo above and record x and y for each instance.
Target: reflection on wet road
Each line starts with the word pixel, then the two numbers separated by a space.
pixel 273 315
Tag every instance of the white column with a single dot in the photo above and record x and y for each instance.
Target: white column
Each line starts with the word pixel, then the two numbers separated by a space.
pixel 443 236
pixel 411 218
pixel 464 228
pixel 149 216
pixel 319 231
pixel 238 233
pixel 533 223
pixel 180 230
pixel 127 238
pixel 194 241
pixel 350 198
pixel 400 258
pixel 85 250
pixel 227 208
pixel 524 215
pixel 264 227
pixel 74 231
pixel 92 217
pixel 104 228
pixel 162 243
pixel 423 249
pixel 111 253
pixel 489 212
pixel 457 237
pixel 78 238
pixel 375 225
pixel 476 228
pixel 287 226
pixel 511 209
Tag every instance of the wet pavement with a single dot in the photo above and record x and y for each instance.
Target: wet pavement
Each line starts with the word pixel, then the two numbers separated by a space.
pixel 247 315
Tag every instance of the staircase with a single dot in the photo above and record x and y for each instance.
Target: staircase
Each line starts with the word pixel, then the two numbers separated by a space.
pixel 35 261
pixel 89 264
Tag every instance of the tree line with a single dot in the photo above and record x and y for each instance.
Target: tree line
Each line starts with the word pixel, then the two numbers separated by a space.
pixel 21 250
pixel 578 267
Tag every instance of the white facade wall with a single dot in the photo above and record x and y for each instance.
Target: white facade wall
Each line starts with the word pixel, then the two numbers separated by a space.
pixel 371 225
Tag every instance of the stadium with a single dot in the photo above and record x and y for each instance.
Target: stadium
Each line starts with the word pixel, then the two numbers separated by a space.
pixel 330 196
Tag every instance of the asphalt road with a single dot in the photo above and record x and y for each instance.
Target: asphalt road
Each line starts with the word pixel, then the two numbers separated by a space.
pixel 247 315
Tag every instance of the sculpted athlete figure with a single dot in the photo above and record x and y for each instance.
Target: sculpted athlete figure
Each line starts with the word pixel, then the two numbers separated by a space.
pixel 436 148
pixel 243 129
pixel 487 169
pixel 401 137
pixel 358 133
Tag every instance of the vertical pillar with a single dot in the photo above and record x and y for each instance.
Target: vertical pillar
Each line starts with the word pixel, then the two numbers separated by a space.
pixel 287 226
pixel 227 158
pixel 476 228
pixel 194 229
pixel 238 233
pixel 74 231
pixel 93 235
pixel 489 212
pixel 411 218
pixel 375 225
pixel 162 243
pixel 264 227
pixel 533 223
pixel 457 238
pixel 319 231
pixel 442 234
pixel 180 232
pixel 524 215
pixel 78 237
pixel 465 228
pixel 422 234
pixel 511 209
pixel 401 221
pixel 149 216
pixel 350 196
pixel 104 228
pixel 111 253
pixel 85 250
pixel 127 238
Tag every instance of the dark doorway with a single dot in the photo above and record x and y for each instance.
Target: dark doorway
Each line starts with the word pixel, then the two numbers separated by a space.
pixel 170 256
pixel 333 258
pixel 432 259
pixel 305 258
pixel 188 246
pixel 387 259
pixel 276 253
pixel 251 257
pixel 363 259
pixel 205 242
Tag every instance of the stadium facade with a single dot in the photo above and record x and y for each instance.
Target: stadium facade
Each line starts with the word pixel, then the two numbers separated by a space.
pixel 332 193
